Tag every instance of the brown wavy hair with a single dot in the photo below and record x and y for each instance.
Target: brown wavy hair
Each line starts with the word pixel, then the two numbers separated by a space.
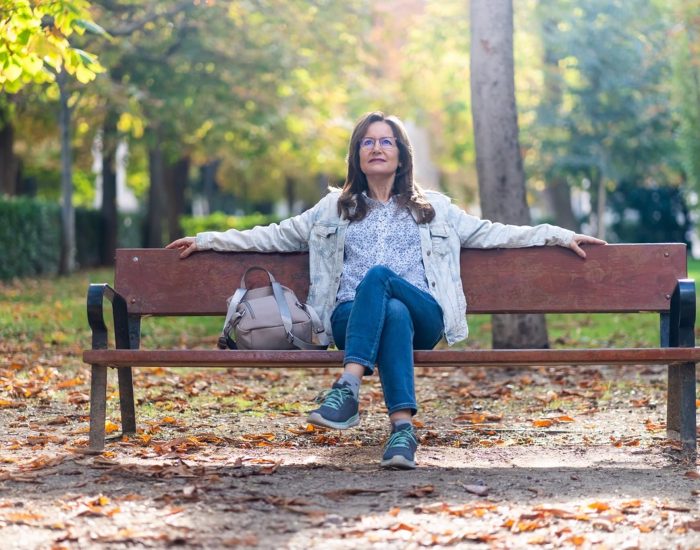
pixel 352 204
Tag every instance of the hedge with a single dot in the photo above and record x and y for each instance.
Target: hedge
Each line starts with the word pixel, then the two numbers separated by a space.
pixel 30 236
pixel 218 221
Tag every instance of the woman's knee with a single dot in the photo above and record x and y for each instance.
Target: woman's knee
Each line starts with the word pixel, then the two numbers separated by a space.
pixel 396 311
pixel 377 274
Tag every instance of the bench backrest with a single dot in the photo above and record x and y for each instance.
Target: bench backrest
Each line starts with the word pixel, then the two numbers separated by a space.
pixel 614 278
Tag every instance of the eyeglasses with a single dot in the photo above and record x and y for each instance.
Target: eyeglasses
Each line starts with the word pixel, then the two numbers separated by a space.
pixel 385 143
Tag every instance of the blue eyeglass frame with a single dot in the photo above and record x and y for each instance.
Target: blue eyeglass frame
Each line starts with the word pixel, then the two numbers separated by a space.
pixel 391 143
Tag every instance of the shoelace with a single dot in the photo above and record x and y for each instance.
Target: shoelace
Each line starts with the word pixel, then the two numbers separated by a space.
pixel 402 438
pixel 335 397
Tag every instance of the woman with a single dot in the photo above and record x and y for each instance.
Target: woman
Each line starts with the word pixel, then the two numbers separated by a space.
pixel 384 268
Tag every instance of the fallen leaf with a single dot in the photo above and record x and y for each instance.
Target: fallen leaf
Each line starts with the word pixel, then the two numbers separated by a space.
pixel 244 540
pixel 647 526
pixel 403 527
pixel 479 490
pixel 550 396
pixel 562 514
pixel 69 383
pixel 525 525
pixel 472 418
pixel 339 494
pixel 542 423
pixel 674 507
pixel 23 518
pixel 599 506
pixel 603 524
pixel 692 474
pixel 43 462
pixel 653 427
pixel 421 491
pixel 258 437
pixel 643 402
pixel 111 427
pixel 631 504
pixel 577 540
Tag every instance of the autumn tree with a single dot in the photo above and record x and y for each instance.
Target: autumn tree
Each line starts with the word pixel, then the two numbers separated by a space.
pixel 36 48
pixel 605 112
pixel 498 161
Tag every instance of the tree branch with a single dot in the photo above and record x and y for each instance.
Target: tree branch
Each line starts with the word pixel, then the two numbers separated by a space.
pixel 137 25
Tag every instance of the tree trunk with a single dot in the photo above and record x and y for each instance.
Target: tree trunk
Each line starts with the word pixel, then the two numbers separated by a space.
pixel 108 210
pixel 557 188
pixel 207 174
pixel 498 161
pixel 600 209
pixel 176 180
pixel 68 245
pixel 9 165
pixel 290 187
pixel 156 195
pixel 559 195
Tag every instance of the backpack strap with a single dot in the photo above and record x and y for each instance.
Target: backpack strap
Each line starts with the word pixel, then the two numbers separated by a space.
pixel 225 341
pixel 287 322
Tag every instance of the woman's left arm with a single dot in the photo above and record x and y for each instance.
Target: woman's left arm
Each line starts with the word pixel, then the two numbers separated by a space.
pixel 474 232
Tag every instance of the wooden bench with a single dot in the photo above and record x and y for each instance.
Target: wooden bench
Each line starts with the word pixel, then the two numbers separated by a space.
pixel 613 279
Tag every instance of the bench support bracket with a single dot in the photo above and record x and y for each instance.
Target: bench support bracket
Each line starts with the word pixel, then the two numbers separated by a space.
pixel 679 331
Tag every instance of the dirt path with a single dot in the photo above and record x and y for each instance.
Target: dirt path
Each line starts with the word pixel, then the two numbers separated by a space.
pixel 564 458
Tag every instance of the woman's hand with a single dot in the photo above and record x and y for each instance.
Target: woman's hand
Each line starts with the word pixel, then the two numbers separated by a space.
pixel 186 246
pixel 581 239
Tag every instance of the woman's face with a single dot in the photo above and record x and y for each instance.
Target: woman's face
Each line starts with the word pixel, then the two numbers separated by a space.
pixel 379 152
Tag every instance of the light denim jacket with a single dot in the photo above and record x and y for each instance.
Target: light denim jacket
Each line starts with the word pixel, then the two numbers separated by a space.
pixel 321 231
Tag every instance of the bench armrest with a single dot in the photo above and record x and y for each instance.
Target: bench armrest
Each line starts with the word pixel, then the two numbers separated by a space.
pixel 95 306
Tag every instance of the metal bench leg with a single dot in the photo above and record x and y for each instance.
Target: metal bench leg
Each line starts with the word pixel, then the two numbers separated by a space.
pixel 98 407
pixel 681 416
pixel 678 330
pixel 126 400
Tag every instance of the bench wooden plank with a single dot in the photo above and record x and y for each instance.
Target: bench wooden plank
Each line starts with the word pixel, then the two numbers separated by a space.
pixel 614 278
pixel 437 358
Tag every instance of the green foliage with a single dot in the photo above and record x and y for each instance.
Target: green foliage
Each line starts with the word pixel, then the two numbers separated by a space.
pixel 218 221
pixel 649 214
pixel 605 110
pixel 30 236
pixel 437 43
pixel 35 46
pixel 686 73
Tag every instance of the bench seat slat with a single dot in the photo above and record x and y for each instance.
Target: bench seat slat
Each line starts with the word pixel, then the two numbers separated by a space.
pixel 521 357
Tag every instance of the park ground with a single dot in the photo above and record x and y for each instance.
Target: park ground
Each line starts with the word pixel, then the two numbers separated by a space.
pixel 510 458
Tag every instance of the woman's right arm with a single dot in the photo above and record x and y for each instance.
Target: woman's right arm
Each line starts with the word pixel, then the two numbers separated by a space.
pixel 290 235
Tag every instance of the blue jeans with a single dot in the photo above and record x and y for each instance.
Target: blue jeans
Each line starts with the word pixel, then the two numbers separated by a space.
pixel 388 319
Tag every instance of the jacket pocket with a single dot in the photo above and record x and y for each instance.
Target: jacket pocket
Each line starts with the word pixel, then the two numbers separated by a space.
pixel 324 239
pixel 439 239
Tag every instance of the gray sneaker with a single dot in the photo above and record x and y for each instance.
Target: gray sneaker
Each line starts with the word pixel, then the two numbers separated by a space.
pixel 400 450
pixel 340 409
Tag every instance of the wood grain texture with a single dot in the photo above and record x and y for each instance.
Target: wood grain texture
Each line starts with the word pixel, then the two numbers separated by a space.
pixel 614 278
